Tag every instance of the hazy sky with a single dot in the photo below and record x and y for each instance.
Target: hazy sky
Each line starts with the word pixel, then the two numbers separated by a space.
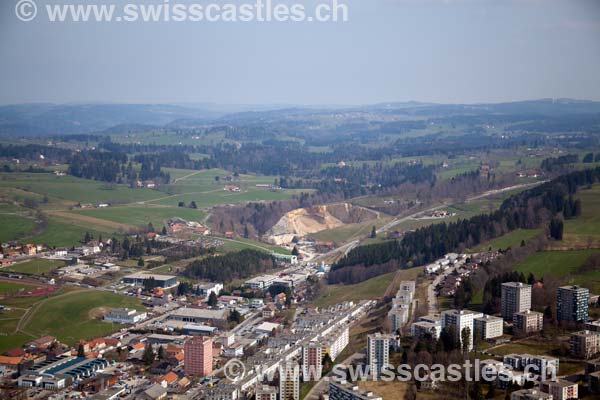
pixel 389 50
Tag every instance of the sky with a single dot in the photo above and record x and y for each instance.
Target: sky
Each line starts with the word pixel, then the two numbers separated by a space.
pixel 446 51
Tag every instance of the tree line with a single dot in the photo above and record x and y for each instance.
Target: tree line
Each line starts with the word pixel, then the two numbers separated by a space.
pixel 529 209
pixel 231 266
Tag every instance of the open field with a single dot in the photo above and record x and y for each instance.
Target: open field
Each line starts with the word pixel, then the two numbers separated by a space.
pixel 373 288
pixel 60 232
pixel 13 287
pixel 75 314
pixel 141 214
pixel 36 266
pixel 14 226
pixel 511 239
pixel 238 244
pixel 562 264
pixel 347 232
pixel 588 224
pixel 70 189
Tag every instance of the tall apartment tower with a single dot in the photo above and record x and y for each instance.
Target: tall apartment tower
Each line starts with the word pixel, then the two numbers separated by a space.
pixel 572 303
pixel 516 297
pixel 459 321
pixel 289 382
pixel 378 351
pixel 312 361
pixel 198 356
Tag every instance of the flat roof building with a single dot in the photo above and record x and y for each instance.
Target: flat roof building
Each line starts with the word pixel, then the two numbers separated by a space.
pixel 342 390
pixel 515 297
pixel 527 322
pixel 163 281
pixel 488 327
pixel 572 303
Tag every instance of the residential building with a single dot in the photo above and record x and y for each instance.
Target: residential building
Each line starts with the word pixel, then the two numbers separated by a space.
pixel 198 356
pixel 265 392
pixel 572 303
pixel 222 391
pixel 336 342
pixel 538 364
pixel 527 322
pixel 342 390
pixel 425 329
pixel 530 394
pixel 378 351
pixel 289 382
pixel 515 297
pixel 312 361
pixel 488 327
pixel 458 321
pixel 560 389
pixel 206 288
pixel 584 344
pixel 398 317
pixel 593 326
pixel 594 382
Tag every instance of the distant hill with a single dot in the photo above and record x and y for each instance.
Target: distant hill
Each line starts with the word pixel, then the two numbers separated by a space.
pixel 40 119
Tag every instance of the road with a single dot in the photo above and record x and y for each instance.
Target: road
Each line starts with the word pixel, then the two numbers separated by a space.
pixel 347 247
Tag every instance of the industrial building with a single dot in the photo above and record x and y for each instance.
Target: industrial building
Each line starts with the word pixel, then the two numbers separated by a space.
pixel 163 281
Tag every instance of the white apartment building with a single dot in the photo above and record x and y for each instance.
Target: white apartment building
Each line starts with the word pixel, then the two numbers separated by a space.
pixel 459 320
pixel 488 327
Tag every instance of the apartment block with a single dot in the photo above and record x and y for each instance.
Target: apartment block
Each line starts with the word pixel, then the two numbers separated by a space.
pixel 312 361
pixel 265 392
pixel 459 320
pixel 572 303
pixel 560 389
pixel 488 327
pixel 378 351
pixel 342 390
pixel 289 382
pixel 530 394
pixel 527 322
pixel 515 297
pixel 198 356
pixel 584 344
pixel 424 329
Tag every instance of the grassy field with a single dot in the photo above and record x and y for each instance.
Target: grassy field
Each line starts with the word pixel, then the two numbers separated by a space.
pixel 13 287
pixel 588 224
pixel 76 314
pixel 36 266
pixel 370 289
pixel 201 187
pixel 142 214
pixel 562 264
pixel 347 232
pixel 13 227
pixel 69 189
pixel 60 232
pixel 238 244
pixel 511 239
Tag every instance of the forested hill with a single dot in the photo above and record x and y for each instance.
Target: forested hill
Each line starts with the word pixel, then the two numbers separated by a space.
pixel 532 208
